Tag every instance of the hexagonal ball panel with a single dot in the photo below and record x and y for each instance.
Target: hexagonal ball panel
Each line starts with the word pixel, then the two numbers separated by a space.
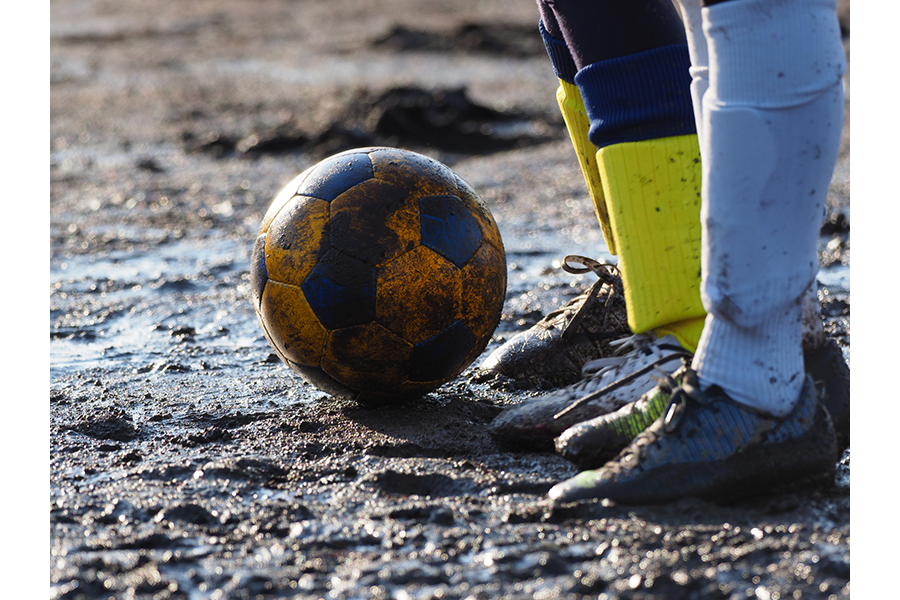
pixel 337 174
pixel 291 324
pixel 449 228
pixel 367 357
pixel 419 175
pixel 297 237
pixel 375 222
pixel 483 291
pixel 418 294
pixel 341 290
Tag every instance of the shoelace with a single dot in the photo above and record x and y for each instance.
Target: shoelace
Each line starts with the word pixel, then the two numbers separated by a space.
pixel 618 383
pixel 689 391
pixel 598 367
pixel 644 343
pixel 607 274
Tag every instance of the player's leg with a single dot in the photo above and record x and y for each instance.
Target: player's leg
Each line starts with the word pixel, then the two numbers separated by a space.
pixel 771 128
pixel 553 351
pixel 593 442
pixel 573 112
pixel 772 135
pixel 631 69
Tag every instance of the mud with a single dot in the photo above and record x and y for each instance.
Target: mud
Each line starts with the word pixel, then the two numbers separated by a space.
pixel 187 462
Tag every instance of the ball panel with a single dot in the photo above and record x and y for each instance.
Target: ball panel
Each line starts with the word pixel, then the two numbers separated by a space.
pixel 341 290
pixel 259 275
pixel 367 357
pixel 270 339
pixel 449 228
pixel 322 380
pixel 288 192
pixel 296 238
pixel 418 294
pixel 483 291
pixel 480 212
pixel 290 323
pixel 443 356
pixel 333 176
pixel 375 222
pixel 416 173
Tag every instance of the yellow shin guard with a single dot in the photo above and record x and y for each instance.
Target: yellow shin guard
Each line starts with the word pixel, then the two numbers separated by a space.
pixel 577 123
pixel 652 192
pixel 640 187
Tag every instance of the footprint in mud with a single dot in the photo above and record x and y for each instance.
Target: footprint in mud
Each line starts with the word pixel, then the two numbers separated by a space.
pixel 435 485
pixel 247 469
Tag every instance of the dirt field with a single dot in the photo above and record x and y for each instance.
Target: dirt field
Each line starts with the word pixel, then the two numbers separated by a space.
pixel 186 462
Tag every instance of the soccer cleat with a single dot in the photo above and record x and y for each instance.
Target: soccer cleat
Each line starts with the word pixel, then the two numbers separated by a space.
pixel 590 444
pixel 708 446
pixel 608 385
pixel 552 351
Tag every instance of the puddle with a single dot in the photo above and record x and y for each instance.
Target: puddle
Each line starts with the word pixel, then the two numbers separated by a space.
pixel 140 303
pixel 183 259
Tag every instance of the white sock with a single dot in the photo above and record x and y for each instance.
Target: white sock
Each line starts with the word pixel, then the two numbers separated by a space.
pixel 771 126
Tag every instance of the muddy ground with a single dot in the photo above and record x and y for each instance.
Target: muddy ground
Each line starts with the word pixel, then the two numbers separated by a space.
pixel 187 462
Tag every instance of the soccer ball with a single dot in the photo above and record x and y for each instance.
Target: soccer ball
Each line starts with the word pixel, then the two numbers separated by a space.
pixel 378 274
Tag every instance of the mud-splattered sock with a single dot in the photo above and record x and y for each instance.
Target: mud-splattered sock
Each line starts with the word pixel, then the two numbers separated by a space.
pixel 772 120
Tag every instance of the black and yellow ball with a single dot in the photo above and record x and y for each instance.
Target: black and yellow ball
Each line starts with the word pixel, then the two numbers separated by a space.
pixel 378 274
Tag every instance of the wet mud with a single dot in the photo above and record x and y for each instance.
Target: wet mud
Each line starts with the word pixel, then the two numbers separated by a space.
pixel 187 462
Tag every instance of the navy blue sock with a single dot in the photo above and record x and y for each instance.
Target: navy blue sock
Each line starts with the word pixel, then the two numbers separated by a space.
pixel 560 57
pixel 638 97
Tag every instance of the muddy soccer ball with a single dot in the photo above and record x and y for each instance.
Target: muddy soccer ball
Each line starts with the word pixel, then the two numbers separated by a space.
pixel 378 274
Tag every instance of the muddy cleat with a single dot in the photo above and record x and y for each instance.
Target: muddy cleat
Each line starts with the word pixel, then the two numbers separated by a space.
pixel 708 446
pixel 553 350
pixel 592 443
pixel 608 385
